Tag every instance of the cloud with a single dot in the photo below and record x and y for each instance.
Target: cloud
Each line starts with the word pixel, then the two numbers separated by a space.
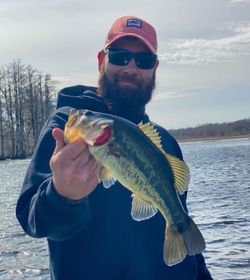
pixel 173 94
pixel 239 1
pixel 166 95
pixel 75 78
pixel 204 51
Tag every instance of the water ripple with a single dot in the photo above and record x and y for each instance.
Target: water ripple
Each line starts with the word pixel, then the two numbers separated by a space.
pixel 218 199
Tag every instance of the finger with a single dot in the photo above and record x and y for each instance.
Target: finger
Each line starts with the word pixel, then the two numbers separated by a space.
pixel 90 170
pixel 74 149
pixel 58 135
pixel 98 169
pixel 94 181
pixel 95 170
pixel 82 158
pixel 93 167
pixel 90 166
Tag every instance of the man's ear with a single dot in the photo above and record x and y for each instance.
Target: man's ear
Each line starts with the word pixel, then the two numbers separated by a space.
pixel 100 56
pixel 157 64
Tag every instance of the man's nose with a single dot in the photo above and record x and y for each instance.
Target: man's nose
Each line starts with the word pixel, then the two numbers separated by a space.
pixel 131 67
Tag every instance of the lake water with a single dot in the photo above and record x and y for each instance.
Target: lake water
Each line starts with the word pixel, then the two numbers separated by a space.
pixel 219 201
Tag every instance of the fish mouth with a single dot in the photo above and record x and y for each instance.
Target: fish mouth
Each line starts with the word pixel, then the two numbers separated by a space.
pixel 104 137
pixel 100 136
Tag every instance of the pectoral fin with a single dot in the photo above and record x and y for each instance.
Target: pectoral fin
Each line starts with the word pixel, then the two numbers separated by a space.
pixel 106 178
pixel 141 210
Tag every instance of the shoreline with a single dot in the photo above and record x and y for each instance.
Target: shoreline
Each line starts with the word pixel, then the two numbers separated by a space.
pixel 247 137
pixel 215 138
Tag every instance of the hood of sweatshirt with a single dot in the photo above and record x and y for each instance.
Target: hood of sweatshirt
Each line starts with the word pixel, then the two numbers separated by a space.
pixel 81 97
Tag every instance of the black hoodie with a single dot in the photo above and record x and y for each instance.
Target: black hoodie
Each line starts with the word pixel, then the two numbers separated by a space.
pixel 95 238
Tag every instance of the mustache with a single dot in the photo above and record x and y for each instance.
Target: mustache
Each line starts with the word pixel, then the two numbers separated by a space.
pixel 128 78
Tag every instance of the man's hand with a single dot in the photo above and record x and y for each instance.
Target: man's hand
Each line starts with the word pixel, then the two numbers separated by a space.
pixel 73 167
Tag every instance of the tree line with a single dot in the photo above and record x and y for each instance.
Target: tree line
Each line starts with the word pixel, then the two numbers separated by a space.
pixel 216 130
pixel 26 96
pixel 25 103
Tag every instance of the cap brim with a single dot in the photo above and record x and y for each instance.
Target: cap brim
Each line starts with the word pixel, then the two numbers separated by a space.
pixel 152 49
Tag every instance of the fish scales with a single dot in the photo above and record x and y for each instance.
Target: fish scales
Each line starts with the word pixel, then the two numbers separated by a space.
pixel 133 155
pixel 140 168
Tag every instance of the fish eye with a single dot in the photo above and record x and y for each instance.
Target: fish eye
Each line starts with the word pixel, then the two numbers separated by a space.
pixel 84 119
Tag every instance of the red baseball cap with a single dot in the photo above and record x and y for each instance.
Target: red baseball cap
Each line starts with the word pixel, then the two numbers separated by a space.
pixel 133 26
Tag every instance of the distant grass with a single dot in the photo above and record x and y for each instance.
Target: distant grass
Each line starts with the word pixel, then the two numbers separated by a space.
pixel 215 131
pixel 247 136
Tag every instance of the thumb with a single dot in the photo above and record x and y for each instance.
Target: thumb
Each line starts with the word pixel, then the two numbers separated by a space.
pixel 58 135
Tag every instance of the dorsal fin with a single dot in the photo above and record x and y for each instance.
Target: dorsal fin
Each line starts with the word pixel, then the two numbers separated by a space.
pixel 151 132
pixel 179 168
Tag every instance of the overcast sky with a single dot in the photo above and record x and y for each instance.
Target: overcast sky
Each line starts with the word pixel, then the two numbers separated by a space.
pixel 204 50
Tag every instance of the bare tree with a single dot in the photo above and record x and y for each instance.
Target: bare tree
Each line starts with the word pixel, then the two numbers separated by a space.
pixel 1 119
pixel 25 104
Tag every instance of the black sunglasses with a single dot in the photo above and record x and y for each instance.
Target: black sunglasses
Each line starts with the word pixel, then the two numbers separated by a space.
pixel 121 57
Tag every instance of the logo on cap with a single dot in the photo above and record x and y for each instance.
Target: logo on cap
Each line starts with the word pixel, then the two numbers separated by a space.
pixel 134 23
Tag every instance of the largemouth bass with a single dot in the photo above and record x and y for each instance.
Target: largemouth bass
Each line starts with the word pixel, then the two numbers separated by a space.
pixel 134 156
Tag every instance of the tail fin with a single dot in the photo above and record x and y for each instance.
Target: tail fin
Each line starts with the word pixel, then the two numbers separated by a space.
pixel 193 239
pixel 177 245
pixel 174 246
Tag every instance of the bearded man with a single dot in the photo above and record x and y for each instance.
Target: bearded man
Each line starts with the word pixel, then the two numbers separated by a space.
pixel 89 230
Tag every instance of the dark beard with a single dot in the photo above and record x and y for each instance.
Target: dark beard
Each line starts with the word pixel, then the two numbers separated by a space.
pixel 125 102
